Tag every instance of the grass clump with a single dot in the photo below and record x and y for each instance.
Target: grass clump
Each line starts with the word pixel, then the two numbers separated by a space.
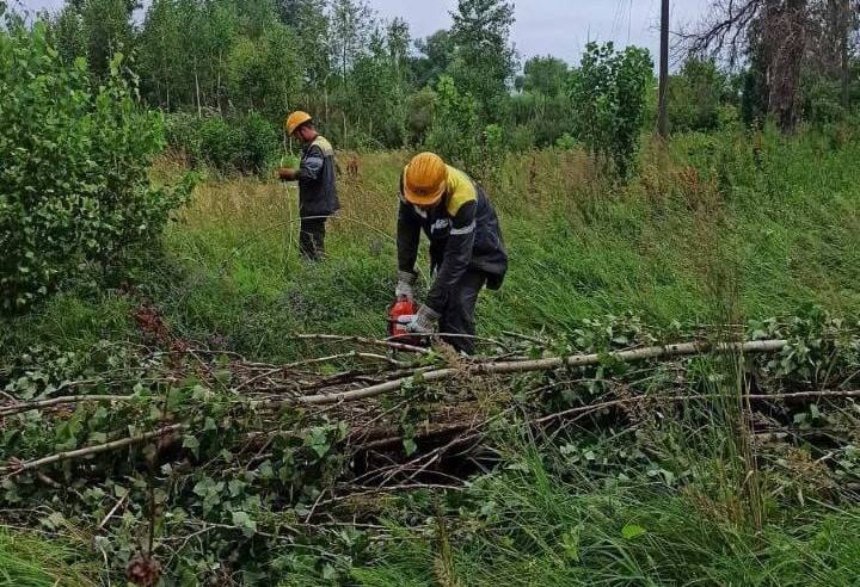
pixel 531 526
pixel 30 561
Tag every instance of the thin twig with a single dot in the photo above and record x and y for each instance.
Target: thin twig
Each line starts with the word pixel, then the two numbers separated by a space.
pixel 112 511
pixel 362 340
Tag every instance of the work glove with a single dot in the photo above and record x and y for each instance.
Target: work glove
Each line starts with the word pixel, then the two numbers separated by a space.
pixel 424 322
pixel 287 174
pixel 405 281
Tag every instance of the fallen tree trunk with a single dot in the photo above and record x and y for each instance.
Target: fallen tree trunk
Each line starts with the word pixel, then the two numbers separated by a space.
pixel 548 364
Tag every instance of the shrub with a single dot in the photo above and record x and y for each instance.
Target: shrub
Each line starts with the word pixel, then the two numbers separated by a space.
pixel 695 96
pixel 244 144
pixel 492 152
pixel 610 92
pixel 73 188
pixel 258 143
pixel 455 131
pixel 565 142
pixel 521 138
pixel 181 131
pixel 218 142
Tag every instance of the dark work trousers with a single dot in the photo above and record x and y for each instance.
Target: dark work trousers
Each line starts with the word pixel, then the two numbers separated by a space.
pixel 312 238
pixel 459 314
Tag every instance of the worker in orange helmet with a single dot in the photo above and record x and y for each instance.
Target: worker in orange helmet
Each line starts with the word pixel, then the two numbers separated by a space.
pixel 317 188
pixel 466 247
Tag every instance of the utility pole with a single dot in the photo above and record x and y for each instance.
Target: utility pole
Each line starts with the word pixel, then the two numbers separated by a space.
pixel 663 114
pixel 845 34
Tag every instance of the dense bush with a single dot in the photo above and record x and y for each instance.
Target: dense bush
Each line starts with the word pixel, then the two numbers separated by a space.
pixel 73 186
pixel 455 131
pixel 244 144
pixel 695 96
pixel 549 117
pixel 610 92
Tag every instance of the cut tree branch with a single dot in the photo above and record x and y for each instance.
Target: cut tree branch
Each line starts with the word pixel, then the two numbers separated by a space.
pixel 15 467
pixel 66 399
pixel 548 364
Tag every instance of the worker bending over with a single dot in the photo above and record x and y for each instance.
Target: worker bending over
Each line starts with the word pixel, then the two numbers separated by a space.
pixel 466 247
pixel 317 189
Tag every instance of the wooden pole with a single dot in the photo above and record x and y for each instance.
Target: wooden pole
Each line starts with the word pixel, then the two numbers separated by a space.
pixel 846 33
pixel 663 114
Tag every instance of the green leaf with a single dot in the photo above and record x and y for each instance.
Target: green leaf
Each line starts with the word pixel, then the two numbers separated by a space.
pixel 54 521
pixel 409 446
pixel 236 487
pixel 191 443
pixel 570 543
pixel 244 521
pixel 631 531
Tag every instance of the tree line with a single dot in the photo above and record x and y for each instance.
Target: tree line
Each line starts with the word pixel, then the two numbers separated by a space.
pixel 373 86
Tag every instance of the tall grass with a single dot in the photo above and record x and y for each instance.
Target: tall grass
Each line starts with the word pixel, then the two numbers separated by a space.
pixel 706 233
pixel 579 246
pixel 29 561
pixel 788 230
pixel 547 523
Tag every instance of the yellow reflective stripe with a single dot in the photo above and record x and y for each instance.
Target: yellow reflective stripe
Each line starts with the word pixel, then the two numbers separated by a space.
pixel 461 190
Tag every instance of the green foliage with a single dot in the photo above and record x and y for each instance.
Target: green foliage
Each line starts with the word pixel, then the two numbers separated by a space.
pixel 695 96
pixel 484 60
pixel 609 90
pixel 95 29
pixel 241 144
pixel 540 520
pixel 547 117
pixel 258 144
pixel 455 132
pixel 493 148
pixel 379 92
pixel 219 142
pixel 419 115
pixel 820 98
pixel 608 492
pixel 545 75
pixel 263 73
pixel 74 184
pixel 436 55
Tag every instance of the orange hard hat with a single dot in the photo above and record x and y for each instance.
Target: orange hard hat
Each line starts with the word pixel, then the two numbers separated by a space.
pixel 425 179
pixel 295 120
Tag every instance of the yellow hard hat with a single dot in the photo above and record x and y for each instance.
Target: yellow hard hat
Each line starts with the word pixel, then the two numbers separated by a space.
pixel 425 179
pixel 295 120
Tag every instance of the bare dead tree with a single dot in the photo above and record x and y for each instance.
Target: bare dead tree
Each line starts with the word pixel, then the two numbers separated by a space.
pixel 781 39
pixel 777 30
pixel 726 31
pixel 785 29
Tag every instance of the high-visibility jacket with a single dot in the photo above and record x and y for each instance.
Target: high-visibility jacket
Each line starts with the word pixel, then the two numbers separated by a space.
pixel 464 234
pixel 317 180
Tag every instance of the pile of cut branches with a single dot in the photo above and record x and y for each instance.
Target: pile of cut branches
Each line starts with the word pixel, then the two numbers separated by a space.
pixel 177 456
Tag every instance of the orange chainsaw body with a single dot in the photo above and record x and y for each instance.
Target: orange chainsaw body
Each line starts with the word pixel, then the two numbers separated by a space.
pixel 396 329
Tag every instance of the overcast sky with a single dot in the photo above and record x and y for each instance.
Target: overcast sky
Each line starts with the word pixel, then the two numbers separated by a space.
pixel 556 27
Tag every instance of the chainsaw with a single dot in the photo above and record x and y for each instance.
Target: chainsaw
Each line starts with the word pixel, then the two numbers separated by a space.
pixel 400 313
